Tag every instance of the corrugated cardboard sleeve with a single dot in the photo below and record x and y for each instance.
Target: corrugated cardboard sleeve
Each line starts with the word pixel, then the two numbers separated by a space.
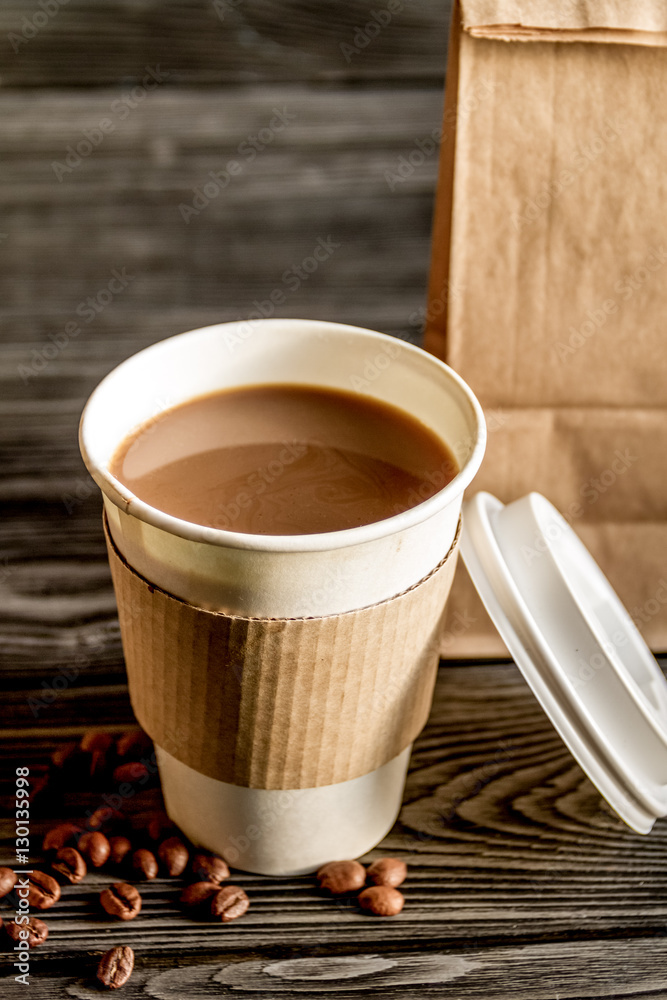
pixel 281 703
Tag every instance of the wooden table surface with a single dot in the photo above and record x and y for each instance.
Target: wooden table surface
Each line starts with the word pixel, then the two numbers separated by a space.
pixel 522 883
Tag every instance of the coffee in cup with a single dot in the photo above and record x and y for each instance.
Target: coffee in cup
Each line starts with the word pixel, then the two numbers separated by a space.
pixel 283 460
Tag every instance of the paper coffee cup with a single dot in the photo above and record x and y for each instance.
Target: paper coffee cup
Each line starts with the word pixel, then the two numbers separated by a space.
pixel 307 588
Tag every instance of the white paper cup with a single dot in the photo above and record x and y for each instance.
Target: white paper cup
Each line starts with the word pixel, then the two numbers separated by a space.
pixel 295 576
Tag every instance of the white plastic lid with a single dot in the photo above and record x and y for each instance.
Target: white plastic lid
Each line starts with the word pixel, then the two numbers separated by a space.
pixel 576 646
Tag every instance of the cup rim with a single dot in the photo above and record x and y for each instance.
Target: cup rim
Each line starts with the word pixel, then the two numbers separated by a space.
pixel 122 497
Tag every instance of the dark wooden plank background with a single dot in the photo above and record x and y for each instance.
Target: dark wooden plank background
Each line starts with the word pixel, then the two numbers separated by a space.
pixel 226 68
pixel 523 884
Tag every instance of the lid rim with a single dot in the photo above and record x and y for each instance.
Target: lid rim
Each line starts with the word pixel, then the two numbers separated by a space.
pixel 632 784
pixel 609 649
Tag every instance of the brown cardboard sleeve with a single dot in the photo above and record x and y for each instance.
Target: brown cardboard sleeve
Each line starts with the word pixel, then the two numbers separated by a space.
pixel 281 703
pixel 548 285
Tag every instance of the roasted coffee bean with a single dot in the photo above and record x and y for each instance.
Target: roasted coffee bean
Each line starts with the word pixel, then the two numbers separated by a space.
pixel 121 900
pixel 8 880
pixel 134 771
pixel 195 895
pixel 36 928
pixel 97 746
pixel 387 871
pixel 339 877
pixel 70 865
pixel 43 891
pixel 229 903
pixel 174 855
pixel 63 755
pixel 95 847
pixel 115 967
pixel 209 868
pixel 60 836
pixel 119 848
pixel 144 863
pixel 382 900
pixel 95 739
pixel 134 744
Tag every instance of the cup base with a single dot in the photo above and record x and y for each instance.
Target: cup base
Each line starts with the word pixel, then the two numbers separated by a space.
pixel 283 832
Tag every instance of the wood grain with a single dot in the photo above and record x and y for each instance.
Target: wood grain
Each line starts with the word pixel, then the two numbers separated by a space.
pixel 522 883
pixel 121 206
pixel 219 41
pixel 537 972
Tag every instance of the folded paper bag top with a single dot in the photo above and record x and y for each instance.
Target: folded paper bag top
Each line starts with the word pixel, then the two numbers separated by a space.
pixel 643 22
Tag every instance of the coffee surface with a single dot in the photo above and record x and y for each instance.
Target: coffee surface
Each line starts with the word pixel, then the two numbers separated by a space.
pixel 283 460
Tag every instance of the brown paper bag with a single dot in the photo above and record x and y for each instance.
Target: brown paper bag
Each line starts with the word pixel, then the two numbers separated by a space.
pixel 548 289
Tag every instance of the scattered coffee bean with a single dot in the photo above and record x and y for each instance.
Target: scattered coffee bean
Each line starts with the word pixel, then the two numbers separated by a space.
pixel 95 847
pixel 134 771
pixel 387 871
pixel 339 877
pixel 8 880
pixel 36 928
pixel 43 891
pixel 229 903
pixel 97 746
pixel 121 900
pixel 144 863
pixel 95 739
pixel 174 855
pixel 134 744
pixel 115 967
pixel 210 868
pixel 70 865
pixel 60 836
pixel 119 847
pixel 193 896
pixel 382 900
pixel 63 755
